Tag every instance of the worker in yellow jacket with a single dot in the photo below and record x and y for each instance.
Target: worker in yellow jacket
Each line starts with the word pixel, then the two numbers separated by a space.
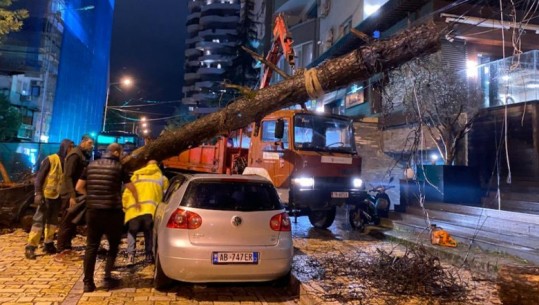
pixel 150 184
pixel 47 199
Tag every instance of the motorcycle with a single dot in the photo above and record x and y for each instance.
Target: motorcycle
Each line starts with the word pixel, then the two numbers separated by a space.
pixel 371 208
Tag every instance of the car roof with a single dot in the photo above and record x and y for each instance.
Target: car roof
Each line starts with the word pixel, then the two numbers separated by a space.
pixel 224 177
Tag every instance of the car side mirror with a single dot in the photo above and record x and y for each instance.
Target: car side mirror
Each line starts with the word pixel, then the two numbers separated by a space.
pixel 279 129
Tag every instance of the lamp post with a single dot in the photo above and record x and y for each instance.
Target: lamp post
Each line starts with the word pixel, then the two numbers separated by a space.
pixel 127 82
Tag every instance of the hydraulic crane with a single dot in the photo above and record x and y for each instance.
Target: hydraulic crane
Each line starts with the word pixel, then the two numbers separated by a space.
pixel 281 45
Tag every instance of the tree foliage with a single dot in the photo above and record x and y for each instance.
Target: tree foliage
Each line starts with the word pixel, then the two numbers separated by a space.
pixel 244 72
pixel 10 119
pixel 10 20
pixel 435 98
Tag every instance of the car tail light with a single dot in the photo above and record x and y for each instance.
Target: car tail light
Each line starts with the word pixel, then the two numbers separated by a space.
pixel 182 219
pixel 280 222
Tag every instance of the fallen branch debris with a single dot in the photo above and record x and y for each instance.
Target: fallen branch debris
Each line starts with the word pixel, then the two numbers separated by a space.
pixel 415 273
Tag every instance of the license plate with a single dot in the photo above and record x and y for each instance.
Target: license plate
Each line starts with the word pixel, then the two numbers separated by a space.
pixel 235 257
pixel 339 194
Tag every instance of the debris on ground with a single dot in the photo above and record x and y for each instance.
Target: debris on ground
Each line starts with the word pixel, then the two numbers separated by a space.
pixel 414 273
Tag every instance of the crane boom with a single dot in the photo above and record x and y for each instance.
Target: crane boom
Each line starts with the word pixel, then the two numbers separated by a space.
pixel 281 45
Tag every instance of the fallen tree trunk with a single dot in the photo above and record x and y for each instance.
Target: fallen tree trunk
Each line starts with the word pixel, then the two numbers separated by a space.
pixel 518 285
pixel 332 74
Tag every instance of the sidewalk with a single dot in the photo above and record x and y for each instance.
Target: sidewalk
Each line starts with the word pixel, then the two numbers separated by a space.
pixel 486 238
pixel 46 282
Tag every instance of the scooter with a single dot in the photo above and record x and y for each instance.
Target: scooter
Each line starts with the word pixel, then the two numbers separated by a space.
pixel 371 208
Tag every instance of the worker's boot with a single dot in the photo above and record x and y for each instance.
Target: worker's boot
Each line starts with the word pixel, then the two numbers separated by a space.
pixel 30 252
pixel 49 248
pixel 149 258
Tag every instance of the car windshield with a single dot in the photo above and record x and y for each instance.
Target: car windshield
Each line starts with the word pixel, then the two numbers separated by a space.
pixel 319 133
pixel 231 196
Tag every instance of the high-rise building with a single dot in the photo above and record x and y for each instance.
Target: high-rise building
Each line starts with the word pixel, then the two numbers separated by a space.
pixel 55 69
pixel 83 70
pixel 216 30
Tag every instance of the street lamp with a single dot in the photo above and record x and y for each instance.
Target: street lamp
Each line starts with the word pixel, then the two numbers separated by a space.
pixel 143 128
pixel 126 82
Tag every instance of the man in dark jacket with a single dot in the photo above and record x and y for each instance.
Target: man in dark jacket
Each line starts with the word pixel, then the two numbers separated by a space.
pixel 101 182
pixel 74 164
pixel 47 199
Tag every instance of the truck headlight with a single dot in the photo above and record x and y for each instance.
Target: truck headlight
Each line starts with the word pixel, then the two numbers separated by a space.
pixel 303 182
pixel 357 183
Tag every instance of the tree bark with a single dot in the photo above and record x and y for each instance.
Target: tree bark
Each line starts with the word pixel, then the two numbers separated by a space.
pixel 518 285
pixel 333 74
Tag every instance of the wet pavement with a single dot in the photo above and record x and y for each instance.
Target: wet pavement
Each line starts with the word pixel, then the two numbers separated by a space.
pixel 45 281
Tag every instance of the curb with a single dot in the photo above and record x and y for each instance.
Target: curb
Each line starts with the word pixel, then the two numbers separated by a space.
pixel 307 292
pixel 470 257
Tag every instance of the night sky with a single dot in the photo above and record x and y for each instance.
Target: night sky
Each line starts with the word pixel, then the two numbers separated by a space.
pixel 148 45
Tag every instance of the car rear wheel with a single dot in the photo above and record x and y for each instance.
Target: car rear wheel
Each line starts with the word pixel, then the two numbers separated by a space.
pixel 322 219
pixel 283 281
pixel 160 280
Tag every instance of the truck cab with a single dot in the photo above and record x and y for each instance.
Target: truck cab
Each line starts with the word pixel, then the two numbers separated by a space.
pixel 312 160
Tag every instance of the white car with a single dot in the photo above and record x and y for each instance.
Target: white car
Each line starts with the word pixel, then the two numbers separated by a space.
pixel 221 228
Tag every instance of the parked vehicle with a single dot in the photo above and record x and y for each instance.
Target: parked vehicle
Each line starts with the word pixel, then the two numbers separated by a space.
pixel 371 208
pixel 221 228
pixel 310 158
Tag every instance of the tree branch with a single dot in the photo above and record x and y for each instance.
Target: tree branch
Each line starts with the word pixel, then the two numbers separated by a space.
pixel 267 63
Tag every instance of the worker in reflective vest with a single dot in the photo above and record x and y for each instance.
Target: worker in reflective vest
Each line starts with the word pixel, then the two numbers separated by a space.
pixel 150 184
pixel 47 199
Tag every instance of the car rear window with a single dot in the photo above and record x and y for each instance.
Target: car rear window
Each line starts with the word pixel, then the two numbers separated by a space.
pixel 231 196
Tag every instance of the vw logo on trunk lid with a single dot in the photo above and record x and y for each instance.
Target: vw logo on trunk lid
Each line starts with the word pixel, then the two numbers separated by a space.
pixel 236 221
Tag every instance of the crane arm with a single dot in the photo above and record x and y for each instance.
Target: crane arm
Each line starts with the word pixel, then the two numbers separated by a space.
pixel 281 45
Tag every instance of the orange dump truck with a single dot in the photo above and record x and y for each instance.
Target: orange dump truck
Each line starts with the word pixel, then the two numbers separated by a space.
pixel 311 158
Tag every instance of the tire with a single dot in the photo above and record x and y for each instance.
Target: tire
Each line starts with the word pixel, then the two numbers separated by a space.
pixel 283 281
pixel 322 219
pixel 161 282
pixel 357 220
pixel 382 207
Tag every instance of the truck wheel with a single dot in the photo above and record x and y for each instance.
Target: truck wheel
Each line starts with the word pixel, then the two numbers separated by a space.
pixel 322 219
pixel 357 219
pixel 161 282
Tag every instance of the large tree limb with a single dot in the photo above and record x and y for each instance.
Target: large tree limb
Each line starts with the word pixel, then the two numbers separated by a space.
pixel 333 74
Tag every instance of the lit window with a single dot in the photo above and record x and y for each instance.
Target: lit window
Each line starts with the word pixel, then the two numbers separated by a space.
pixel 218 66
pixel 208 52
pixel 216 40
pixel 471 68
